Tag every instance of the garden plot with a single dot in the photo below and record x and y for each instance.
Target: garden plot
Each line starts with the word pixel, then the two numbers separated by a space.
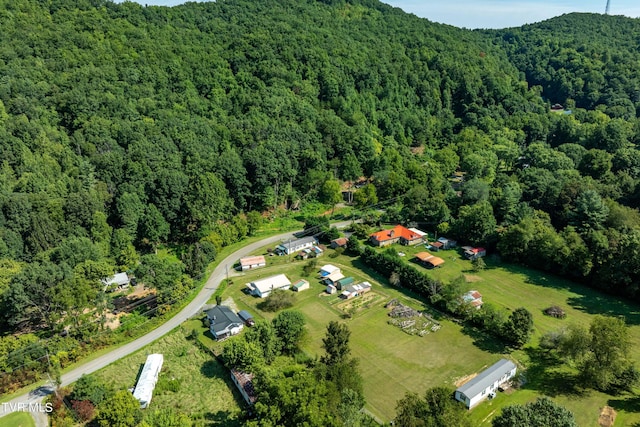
pixel 411 321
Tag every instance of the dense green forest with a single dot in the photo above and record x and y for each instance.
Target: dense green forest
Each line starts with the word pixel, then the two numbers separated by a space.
pixel 125 127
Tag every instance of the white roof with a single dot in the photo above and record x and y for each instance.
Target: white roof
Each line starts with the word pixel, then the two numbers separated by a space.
pixel 335 276
pixel 486 378
pixel 118 278
pixel 329 268
pixel 148 378
pixel 418 232
pixel 273 282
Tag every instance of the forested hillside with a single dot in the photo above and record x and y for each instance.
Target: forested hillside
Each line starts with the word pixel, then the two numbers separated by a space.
pixel 583 60
pixel 123 127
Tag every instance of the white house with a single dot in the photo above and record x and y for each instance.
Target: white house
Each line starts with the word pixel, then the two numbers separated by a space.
pixel 148 379
pixel 223 322
pixel 486 383
pixel 291 246
pixel 250 262
pixel 262 288
pixel 118 280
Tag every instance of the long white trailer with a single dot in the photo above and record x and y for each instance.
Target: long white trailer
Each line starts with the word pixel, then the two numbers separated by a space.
pixel 148 379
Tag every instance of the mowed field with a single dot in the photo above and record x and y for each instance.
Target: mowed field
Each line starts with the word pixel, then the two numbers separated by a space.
pixel 393 362
pixel 17 419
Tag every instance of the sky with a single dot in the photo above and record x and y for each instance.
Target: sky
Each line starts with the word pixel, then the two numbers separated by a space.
pixel 492 13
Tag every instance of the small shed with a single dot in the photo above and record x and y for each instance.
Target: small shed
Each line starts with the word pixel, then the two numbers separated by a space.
pixel 339 284
pixel 340 242
pixel 331 289
pixel 474 253
pixel 473 298
pixel 447 243
pixel 300 285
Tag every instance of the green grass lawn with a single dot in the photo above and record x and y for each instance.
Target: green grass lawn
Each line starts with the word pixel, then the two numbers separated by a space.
pixel 393 362
pixel 206 392
pixel 17 419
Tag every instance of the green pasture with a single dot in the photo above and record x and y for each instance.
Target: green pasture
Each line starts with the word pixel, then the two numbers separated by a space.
pixel 17 419
pixel 393 362
pixel 206 392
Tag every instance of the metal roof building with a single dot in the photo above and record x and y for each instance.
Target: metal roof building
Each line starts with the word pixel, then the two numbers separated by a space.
pixel 148 379
pixel 485 383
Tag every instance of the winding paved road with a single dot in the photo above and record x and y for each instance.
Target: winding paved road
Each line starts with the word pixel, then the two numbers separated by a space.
pixel 30 401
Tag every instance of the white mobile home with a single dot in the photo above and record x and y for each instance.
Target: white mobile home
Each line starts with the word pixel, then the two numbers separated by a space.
pixel 289 247
pixel 486 383
pixel 148 379
pixel 262 288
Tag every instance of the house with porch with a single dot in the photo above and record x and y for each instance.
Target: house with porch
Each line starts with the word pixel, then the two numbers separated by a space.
pixel 486 383
pixel 223 322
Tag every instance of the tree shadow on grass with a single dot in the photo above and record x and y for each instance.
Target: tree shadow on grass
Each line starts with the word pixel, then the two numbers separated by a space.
pixel 547 374
pixel 222 418
pixel 483 340
pixel 628 404
pixel 596 303
pixel 587 299
pixel 213 369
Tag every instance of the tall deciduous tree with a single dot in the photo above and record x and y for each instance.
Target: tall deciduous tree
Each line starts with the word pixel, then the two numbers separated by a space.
pixel 544 412
pixel 289 327
pixel 518 327
pixel 436 409
pixel 121 410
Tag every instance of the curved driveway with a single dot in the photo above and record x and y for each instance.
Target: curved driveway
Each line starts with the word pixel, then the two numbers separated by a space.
pixel 21 403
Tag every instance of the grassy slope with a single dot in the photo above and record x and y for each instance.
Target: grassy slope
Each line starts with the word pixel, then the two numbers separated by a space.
pixel 17 419
pixel 393 362
pixel 206 391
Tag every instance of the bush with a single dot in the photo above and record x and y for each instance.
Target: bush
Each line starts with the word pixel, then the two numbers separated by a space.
pixel 310 267
pixel 277 300
pixel 165 384
pixel 336 253
pixel 84 409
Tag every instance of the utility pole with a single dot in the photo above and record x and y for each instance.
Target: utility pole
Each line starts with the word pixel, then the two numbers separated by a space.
pixel 606 11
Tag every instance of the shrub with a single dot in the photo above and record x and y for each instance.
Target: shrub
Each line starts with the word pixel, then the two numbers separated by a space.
pixel 165 384
pixel 277 300
pixel 84 409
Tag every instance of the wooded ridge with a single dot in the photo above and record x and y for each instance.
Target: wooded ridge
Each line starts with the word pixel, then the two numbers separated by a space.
pixel 124 128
